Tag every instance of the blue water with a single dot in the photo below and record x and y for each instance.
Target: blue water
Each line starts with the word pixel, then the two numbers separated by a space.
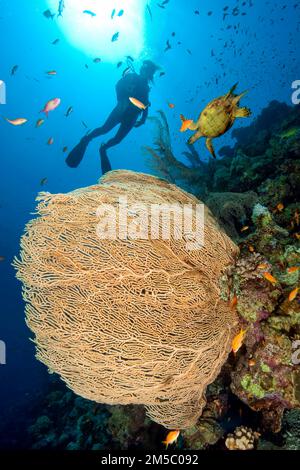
pixel 258 50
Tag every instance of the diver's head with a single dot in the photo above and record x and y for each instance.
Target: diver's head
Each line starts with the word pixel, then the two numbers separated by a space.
pixel 148 69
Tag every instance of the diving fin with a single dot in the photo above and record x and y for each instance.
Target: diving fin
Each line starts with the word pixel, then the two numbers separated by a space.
pixel 76 155
pixel 105 163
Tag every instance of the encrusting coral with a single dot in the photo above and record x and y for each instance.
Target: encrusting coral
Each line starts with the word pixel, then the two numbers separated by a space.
pixel 127 321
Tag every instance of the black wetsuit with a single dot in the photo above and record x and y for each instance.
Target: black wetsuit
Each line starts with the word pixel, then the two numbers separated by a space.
pixel 125 113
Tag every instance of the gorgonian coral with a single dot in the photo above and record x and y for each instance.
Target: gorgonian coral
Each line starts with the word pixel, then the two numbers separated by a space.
pixel 127 321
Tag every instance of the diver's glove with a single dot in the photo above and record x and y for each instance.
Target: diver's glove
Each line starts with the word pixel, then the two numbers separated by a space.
pixel 143 119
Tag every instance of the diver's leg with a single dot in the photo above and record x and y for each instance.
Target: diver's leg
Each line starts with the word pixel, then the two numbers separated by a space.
pixel 76 155
pixel 105 163
pixel 126 126
pixel 112 121
pixel 123 131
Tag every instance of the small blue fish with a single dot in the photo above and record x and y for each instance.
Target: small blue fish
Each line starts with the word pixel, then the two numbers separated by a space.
pixel 113 13
pixel 149 11
pixel 48 14
pixel 121 13
pixel 14 69
pixel 61 7
pixel 115 37
pixel 89 12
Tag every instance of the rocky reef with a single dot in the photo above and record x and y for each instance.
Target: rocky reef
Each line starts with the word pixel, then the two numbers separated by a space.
pixel 69 422
pixel 254 192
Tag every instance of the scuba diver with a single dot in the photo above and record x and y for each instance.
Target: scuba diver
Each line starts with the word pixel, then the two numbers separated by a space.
pixel 125 113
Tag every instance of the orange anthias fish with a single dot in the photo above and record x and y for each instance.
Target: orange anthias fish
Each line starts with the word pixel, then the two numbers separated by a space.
pixel 17 122
pixel 269 277
pixel 51 72
pixel 51 105
pixel 293 294
pixel 185 123
pixel 50 141
pixel 233 301
pixel 279 207
pixel 245 228
pixel 237 341
pixel 171 105
pixel 172 437
pixel 293 269
pixel 137 103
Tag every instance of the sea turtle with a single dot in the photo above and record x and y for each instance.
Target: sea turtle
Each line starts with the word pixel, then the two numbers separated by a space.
pixel 217 118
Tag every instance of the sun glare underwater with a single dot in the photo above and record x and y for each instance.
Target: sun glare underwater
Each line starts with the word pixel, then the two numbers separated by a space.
pixel 102 19
pixel 122 122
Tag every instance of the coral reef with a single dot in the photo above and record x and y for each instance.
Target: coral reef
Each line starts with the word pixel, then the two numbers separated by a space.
pixel 243 438
pixel 291 429
pixel 264 376
pixel 232 210
pixel 110 314
pixel 163 162
pixel 254 192
pixel 256 184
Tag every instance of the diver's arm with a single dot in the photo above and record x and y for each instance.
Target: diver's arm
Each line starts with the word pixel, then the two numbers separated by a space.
pixel 145 115
pixel 142 121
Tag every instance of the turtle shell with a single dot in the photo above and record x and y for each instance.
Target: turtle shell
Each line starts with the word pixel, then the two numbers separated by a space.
pixel 216 118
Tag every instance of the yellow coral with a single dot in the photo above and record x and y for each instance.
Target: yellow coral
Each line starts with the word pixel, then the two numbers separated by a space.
pixel 126 321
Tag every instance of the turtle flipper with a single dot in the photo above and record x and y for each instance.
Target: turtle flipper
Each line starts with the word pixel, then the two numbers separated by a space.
pixel 242 112
pixel 195 137
pixel 232 89
pixel 238 98
pixel 210 147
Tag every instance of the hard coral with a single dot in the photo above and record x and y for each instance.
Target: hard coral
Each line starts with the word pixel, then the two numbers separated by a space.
pixel 243 439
